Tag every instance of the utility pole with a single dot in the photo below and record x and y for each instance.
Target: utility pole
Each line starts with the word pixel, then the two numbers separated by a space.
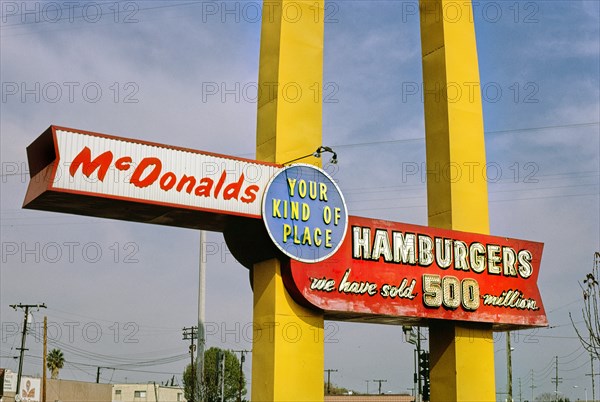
pixel 419 379
pixel 98 373
pixel 155 392
pixel 592 375
pixel 329 371
pixel 380 381
pixel 44 359
pixel 415 374
pixel 413 340
pixel 201 318
pixel 593 381
pixel 532 386
pixel 556 380
pixel 367 381
pixel 98 369
pixel 509 367
pixel 22 349
pixel 221 375
pixel 191 333
pixel 241 382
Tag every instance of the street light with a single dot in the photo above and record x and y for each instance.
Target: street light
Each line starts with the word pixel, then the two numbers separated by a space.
pixel 584 390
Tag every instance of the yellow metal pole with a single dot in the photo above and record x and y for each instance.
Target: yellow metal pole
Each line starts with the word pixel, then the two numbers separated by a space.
pixel 462 354
pixel 287 350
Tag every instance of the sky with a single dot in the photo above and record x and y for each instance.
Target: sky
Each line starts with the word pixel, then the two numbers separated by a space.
pixel 118 293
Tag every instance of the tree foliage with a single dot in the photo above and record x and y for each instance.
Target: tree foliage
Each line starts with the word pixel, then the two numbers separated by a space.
pixel 55 361
pixel 211 387
pixel 335 390
pixel 550 397
pixel 590 335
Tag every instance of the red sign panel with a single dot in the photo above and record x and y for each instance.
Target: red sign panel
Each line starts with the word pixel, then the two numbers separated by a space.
pixel 394 272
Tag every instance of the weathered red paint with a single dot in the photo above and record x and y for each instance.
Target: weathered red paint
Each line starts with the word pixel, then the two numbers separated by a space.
pixel 369 304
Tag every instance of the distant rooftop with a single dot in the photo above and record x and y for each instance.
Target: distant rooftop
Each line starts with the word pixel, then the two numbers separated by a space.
pixel 369 398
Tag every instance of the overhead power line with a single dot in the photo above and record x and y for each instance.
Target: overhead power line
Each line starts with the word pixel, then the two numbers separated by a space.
pixel 507 131
pixel 114 361
pixel 78 365
pixel 79 17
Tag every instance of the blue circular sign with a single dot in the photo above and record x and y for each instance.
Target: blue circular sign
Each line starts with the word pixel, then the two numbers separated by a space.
pixel 305 213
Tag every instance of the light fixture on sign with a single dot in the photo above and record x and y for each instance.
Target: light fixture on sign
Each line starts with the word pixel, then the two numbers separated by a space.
pixel 322 149
pixel 317 154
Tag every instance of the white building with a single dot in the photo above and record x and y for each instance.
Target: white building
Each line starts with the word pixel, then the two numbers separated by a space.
pixel 148 392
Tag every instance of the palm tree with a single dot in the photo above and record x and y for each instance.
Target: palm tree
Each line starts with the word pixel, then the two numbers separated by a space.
pixel 55 362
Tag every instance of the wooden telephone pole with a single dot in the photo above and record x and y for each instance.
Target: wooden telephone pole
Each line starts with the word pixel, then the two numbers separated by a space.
pixel 329 371
pixel 190 334
pixel 379 381
pixel 44 359
pixel 22 349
